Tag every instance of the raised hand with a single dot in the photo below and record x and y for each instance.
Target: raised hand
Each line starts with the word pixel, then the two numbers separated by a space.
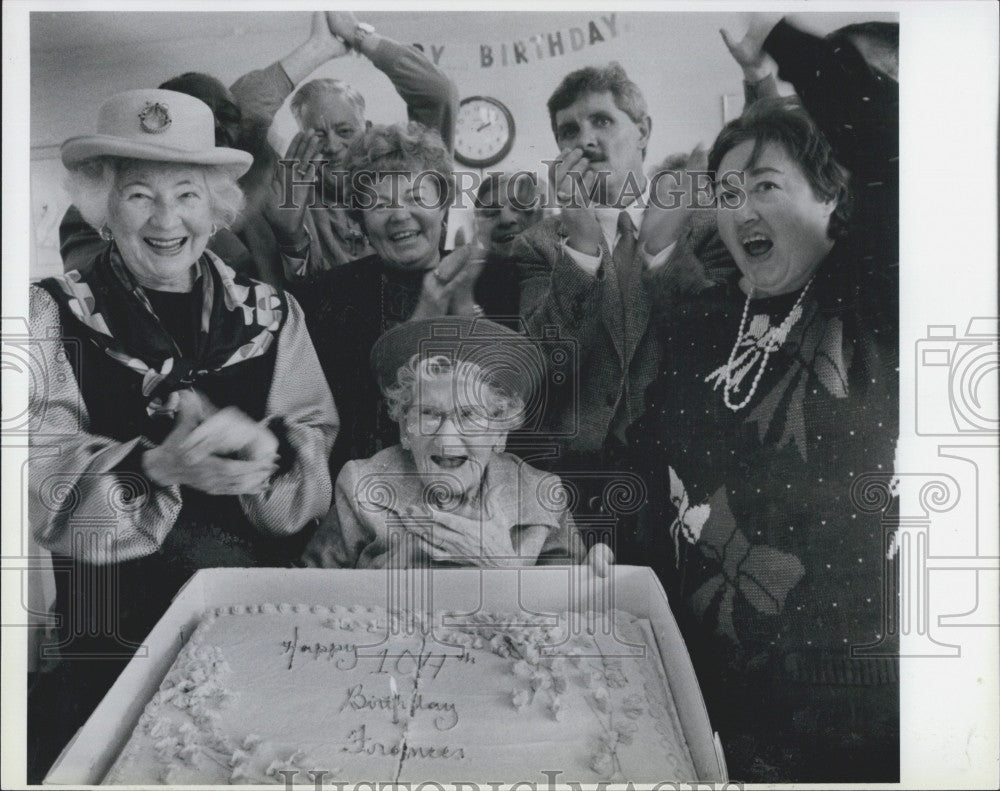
pixel 322 36
pixel 579 221
pixel 288 220
pixel 667 215
pixel 342 24
pixel 748 51
pixel 448 288
pixel 321 46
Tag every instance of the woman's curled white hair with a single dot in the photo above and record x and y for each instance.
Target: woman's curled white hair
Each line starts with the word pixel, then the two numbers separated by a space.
pixel 505 408
pixel 91 184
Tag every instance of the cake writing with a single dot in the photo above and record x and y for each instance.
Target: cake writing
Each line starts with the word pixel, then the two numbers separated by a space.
pixel 406 661
pixel 358 743
pixel 348 659
pixel 357 699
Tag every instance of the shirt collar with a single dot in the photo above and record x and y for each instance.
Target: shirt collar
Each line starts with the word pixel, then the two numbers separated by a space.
pixel 607 216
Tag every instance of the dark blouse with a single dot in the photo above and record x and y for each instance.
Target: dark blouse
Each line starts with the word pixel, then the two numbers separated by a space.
pixel 346 309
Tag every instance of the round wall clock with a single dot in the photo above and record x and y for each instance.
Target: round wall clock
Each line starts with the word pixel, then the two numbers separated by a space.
pixel 484 131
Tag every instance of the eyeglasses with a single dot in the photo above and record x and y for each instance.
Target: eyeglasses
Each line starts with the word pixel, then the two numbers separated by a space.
pixel 466 420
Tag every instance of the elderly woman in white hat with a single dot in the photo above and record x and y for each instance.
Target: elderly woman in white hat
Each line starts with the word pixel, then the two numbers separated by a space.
pixel 185 419
pixel 449 494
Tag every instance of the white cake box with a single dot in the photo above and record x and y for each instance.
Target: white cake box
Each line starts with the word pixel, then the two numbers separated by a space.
pixel 552 589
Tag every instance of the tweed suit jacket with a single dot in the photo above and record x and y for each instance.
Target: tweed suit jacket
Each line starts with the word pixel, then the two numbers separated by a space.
pixel 617 354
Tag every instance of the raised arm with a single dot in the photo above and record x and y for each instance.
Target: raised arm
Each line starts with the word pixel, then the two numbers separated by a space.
pixel 748 51
pixel 851 102
pixel 854 105
pixel 261 93
pixel 556 292
pixel 430 95
pixel 857 108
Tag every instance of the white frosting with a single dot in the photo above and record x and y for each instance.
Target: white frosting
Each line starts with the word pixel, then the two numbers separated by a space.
pixel 366 695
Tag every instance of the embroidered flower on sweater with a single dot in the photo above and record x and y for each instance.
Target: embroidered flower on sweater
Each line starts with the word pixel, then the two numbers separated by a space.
pixel 819 350
pixel 690 519
pixel 763 575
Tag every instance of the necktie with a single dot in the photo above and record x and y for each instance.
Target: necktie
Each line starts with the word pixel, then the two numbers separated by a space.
pixel 624 253
pixel 623 260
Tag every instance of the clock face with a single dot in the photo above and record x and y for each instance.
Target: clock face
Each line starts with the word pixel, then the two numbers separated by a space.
pixel 484 132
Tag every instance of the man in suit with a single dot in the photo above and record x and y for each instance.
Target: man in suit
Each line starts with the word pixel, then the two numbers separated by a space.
pixel 582 275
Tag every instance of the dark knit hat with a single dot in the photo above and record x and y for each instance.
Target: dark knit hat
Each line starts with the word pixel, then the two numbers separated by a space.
pixel 510 361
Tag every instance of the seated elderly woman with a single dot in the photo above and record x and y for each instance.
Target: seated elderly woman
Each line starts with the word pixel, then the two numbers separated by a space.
pixel 771 434
pixel 183 421
pixel 448 493
pixel 398 182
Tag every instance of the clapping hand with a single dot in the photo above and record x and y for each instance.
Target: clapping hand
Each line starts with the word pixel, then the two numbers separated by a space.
pixel 342 24
pixel 286 212
pixel 448 288
pixel 321 46
pixel 230 433
pixel 666 216
pixel 322 35
pixel 220 452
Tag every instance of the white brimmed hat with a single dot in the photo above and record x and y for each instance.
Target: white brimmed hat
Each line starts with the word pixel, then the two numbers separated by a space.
pixel 156 125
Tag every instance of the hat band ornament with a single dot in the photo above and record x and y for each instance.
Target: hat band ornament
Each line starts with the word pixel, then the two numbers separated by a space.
pixel 154 118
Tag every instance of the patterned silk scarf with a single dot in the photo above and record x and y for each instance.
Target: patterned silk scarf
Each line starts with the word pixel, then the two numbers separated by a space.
pixel 240 319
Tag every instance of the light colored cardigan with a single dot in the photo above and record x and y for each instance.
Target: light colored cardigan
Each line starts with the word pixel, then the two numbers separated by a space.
pixel 371 494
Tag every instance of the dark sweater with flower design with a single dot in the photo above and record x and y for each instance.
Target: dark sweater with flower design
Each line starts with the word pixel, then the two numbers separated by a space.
pixel 770 525
pixel 759 521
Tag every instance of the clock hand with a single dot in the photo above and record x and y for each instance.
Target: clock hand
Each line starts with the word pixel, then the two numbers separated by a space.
pixel 481 128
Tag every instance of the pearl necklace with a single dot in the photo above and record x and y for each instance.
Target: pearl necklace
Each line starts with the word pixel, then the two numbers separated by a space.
pixel 760 346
